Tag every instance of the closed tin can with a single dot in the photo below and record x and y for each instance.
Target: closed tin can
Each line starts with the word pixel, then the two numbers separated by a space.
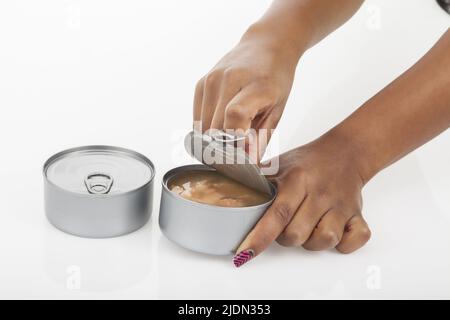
pixel 202 227
pixel 98 191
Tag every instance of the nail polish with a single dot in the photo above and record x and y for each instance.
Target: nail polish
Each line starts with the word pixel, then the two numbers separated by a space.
pixel 243 257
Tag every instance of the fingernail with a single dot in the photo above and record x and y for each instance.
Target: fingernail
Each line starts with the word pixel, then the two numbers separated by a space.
pixel 243 257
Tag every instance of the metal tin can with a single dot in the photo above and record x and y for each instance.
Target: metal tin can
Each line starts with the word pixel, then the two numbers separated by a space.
pixel 98 191
pixel 201 227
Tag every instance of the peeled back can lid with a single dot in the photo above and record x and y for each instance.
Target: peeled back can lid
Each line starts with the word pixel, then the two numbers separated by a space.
pixel 98 170
pixel 222 152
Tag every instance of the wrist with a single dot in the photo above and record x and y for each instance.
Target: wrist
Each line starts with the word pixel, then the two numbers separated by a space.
pixel 263 34
pixel 349 147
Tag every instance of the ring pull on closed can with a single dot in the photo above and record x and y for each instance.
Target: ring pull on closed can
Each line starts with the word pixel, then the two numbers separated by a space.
pixel 98 182
pixel 98 191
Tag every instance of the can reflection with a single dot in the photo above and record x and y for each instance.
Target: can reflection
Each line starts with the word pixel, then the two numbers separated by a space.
pixel 97 265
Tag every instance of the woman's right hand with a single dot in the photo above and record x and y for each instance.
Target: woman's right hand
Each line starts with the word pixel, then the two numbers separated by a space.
pixel 248 88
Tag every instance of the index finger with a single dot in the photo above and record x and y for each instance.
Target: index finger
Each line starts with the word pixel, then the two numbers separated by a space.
pixel 198 98
pixel 244 107
pixel 272 224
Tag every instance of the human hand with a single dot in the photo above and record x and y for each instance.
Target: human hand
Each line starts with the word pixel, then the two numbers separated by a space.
pixel 319 185
pixel 319 202
pixel 248 87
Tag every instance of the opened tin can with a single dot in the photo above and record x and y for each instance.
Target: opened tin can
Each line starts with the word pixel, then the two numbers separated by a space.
pixel 98 191
pixel 202 227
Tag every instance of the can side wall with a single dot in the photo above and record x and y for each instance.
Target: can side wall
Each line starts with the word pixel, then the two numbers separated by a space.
pixel 98 216
pixel 217 230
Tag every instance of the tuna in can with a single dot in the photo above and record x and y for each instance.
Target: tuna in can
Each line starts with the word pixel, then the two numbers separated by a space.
pixel 205 228
pixel 98 191
pixel 216 228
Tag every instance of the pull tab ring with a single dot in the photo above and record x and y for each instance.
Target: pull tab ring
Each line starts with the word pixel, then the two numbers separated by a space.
pixel 98 182
pixel 227 138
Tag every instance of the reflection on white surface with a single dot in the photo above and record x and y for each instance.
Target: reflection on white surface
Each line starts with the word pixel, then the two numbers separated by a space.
pixel 131 68
pixel 406 258
pixel 76 263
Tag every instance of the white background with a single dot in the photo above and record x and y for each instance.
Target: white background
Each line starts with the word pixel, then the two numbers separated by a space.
pixel 122 73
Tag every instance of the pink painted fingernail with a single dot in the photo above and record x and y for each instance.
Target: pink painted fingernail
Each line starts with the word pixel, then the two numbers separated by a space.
pixel 243 257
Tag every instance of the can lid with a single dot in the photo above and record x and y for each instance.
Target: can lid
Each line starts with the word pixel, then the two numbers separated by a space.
pixel 98 170
pixel 222 152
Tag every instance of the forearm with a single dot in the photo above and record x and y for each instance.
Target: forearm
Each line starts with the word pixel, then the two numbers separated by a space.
pixel 296 25
pixel 407 113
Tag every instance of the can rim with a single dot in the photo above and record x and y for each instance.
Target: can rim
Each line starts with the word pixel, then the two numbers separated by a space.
pixel 171 172
pixel 130 152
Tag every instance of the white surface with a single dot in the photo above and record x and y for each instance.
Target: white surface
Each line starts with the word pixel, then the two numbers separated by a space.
pixel 122 73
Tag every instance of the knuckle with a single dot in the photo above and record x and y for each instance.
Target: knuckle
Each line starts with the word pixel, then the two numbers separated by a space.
pixel 365 234
pixel 329 237
pixel 200 84
pixel 297 173
pixel 320 190
pixel 231 74
pixel 283 213
pixel 344 250
pixel 212 77
pixel 290 238
pixel 235 111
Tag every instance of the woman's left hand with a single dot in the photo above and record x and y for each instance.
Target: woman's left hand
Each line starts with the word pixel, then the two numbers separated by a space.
pixel 319 202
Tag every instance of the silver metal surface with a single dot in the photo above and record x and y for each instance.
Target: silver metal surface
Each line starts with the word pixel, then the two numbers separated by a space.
pixel 98 191
pixel 98 182
pixel 223 137
pixel 223 153
pixel 201 227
